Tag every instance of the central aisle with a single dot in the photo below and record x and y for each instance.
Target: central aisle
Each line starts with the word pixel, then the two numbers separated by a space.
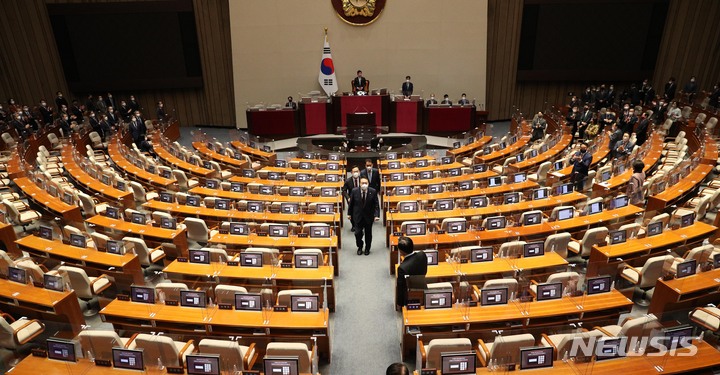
pixel 365 336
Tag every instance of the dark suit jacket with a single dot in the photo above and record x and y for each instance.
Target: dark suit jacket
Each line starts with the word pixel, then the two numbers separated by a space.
pixel 582 166
pixel 136 132
pixel 463 102
pixel 364 214
pixel 374 178
pixel 349 186
pixel 413 264
pixel 670 90
pixel 407 88
pixel 292 105
pixel 430 101
pixel 359 83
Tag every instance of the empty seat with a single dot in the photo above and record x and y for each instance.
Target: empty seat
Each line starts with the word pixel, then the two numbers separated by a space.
pixel 505 349
pixel 86 287
pixel 101 342
pixel 163 350
pixel 15 333
pixel 706 317
pixel 307 359
pixel 430 354
pixel 233 356
pixel 283 297
pixel 226 293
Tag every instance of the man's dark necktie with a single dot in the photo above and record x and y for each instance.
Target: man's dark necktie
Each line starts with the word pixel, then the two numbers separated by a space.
pixel 363 198
pixel 356 184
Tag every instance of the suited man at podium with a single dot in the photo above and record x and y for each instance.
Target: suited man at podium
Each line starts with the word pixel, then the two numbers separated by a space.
pixel 360 84
pixel 407 87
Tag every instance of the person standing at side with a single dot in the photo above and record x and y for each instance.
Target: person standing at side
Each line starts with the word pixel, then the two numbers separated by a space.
pixel 581 165
pixel 634 188
pixel 371 174
pixel 363 210
pixel 538 127
pixel 414 263
pixel 407 87
pixel 351 183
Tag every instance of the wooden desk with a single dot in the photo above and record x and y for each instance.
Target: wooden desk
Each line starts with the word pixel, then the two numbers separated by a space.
pixel 445 271
pixel 445 120
pixel 392 200
pixel 409 160
pixel 175 162
pixel 436 323
pixel 387 185
pixel 305 184
pixel 686 293
pixel 82 178
pixel 550 154
pixel 149 179
pixel 615 183
pixel 530 232
pixel 511 149
pixel 125 269
pixel 706 358
pixel 307 199
pixel 153 236
pixel 471 148
pixel 430 168
pixel 213 215
pixel 603 259
pixel 8 237
pixel 255 277
pixel 276 123
pixel 229 162
pixel 684 188
pixel 43 304
pixel 204 322
pixel 53 205
pixel 233 242
pixel 255 153
pixel 30 365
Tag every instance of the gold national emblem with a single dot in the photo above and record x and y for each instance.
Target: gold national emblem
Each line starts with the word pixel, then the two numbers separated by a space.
pixel 358 12
pixel 363 8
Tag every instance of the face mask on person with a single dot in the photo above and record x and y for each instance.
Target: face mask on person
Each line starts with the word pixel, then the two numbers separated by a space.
pixel 463 97
pixel 369 167
pixel 432 98
pixel 364 187
pixel 583 150
pixel 356 174
pixel 574 110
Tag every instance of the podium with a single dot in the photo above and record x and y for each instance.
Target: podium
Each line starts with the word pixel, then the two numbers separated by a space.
pixel 379 105
pixel 360 118
pixel 315 118
pixel 272 123
pixel 406 115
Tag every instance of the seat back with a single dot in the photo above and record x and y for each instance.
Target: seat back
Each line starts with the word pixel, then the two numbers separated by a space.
pixel 226 293
pixel 268 254
pixel 171 290
pixel 653 269
pixel 181 179
pixel 511 284
pixel 639 327
pixel 543 171
pixel 138 191
pixel 512 249
pixel 283 297
pixel 558 243
pixel 197 230
pixel 230 352
pixel 569 279
pixel 436 347
pixel 31 268
pixel 318 252
pixel 79 281
pixel 5 262
pixel 700 253
pixel 522 216
pixel 99 343
pixel 100 240
pixel 565 345
pixel 7 337
pixel 292 349
pixel 632 229
pixel 593 236
pixel 138 246
pixel 158 347
pixel 506 349
pixel 446 222
pixel 87 203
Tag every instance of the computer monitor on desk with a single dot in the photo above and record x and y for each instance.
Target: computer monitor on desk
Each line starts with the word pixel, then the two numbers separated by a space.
pixel 687 220
pixel 45 232
pixel 278 230
pixel 532 218
pixel 77 240
pixel 536 357
pixel 600 284
pixel 138 218
pixel 129 359
pixel 328 192
pixel 454 172
pixel 296 191
pixel 479 168
pixel 494 181
pixel 435 188
pixel 564 189
pixel 222 204
pixel 280 365
pixel 192 298
pixel 53 282
pixel 248 302
pixel 519 177
pixel 534 249
pixel 391 156
pixel 461 363
pixel 716 261
pixel 289 208
pixel 142 294
pixel 324 208
pixel 192 200
pixel 212 183
pixel 594 208
pixel 251 259
pixel 166 197
pixel 653 229
pixel 306 260
pixel 465 185
pixel 397 177
pixel 61 350
pixel 432 257
pixel 678 337
pixel 478 202
pixel 17 275
pixel 444 204
pixel 422 163
pixel 510 198
pixel 481 254
pixel 254 206
pixel 239 228
pixel 304 303
pixel 116 247
pixel 565 213
pixel 236 187
pixel 415 229
pixel 438 300
pixel 686 268
pixel 199 256
pixel 203 364
pixel 610 347
pixel 541 193
pixel 549 291
pixel 496 222
pixel 618 237
pixel 619 202
pixel 320 231
pixel 493 296
pixel 455 227
pixel 114 212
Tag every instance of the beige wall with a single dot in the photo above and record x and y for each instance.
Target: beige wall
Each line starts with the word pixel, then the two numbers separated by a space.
pixel 277 44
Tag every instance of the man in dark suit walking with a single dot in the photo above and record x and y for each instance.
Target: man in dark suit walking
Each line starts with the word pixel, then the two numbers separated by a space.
pixel 414 263
pixel 407 87
pixel 351 183
pixel 371 174
pixel 364 210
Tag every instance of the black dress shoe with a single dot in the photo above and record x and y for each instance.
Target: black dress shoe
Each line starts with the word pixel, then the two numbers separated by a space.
pixel 367 251
pixel 359 251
